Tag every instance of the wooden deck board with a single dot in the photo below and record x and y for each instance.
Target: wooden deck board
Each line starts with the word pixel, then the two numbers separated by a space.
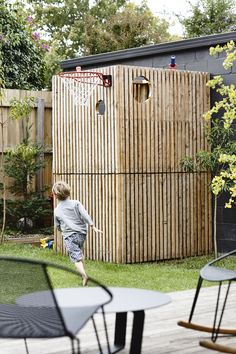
pixel 162 335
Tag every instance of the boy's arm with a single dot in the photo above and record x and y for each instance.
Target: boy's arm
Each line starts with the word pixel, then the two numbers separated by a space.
pixel 80 209
pixel 57 223
pixel 87 218
pixel 95 229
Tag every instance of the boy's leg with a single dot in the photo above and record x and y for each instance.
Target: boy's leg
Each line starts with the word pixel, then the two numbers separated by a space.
pixel 80 267
pixel 74 246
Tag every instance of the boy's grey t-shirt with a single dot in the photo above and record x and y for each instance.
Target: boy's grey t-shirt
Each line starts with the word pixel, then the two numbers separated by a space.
pixel 70 216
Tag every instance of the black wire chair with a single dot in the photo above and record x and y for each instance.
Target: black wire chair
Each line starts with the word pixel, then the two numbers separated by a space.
pixel 211 272
pixel 29 307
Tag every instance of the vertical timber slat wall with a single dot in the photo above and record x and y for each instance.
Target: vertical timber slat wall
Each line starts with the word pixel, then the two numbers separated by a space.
pixel 40 117
pixel 124 166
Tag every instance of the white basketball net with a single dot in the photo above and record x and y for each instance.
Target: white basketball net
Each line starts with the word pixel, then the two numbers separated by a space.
pixel 80 91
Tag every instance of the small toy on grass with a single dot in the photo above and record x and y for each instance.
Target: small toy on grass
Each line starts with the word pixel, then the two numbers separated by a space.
pixel 47 242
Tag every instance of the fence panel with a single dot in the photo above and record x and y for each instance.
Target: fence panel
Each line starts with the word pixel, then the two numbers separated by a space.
pixel 41 131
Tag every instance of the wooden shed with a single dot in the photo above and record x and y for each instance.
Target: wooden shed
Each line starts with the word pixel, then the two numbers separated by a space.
pixel 121 155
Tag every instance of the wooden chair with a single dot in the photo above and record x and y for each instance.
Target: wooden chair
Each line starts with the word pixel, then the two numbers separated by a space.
pixel 213 273
pixel 29 307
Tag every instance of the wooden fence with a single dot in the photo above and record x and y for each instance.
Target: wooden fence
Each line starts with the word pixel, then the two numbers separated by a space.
pixel 41 131
pixel 124 164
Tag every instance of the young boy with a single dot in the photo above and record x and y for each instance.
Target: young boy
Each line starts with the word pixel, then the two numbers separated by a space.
pixel 71 219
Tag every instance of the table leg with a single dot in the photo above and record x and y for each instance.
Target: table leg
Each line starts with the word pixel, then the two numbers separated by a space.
pixel 137 332
pixel 120 332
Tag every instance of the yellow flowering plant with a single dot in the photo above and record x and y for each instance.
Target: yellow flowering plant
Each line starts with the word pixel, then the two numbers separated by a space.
pixel 220 159
pixel 226 177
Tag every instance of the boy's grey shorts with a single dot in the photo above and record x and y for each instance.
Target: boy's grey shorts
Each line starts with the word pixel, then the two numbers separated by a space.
pixel 74 246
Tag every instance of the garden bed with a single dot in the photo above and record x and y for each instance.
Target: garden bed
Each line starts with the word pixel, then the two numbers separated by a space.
pixel 33 239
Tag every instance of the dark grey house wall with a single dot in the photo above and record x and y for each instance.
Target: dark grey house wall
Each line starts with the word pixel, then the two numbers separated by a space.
pixel 193 55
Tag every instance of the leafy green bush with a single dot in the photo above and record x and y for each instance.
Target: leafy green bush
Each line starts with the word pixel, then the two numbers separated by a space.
pixel 21 164
pixel 36 208
pixel 21 50
pixel 35 214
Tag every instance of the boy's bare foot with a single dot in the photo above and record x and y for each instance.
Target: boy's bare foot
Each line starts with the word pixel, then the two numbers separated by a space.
pixel 85 281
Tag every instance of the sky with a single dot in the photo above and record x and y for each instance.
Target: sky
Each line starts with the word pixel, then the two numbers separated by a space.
pixel 166 9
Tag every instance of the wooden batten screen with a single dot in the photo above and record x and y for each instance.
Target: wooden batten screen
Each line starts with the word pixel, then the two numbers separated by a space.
pixel 124 165
pixel 40 121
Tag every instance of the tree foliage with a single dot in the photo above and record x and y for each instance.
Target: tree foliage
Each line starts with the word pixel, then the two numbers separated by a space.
pixel 21 51
pixel 61 20
pixel 76 27
pixel 132 26
pixel 209 17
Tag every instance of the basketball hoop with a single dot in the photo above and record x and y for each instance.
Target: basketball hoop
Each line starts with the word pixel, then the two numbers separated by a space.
pixel 81 84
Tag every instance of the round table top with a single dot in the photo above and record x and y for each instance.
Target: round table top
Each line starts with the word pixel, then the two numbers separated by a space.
pixel 133 299
pixel 124 299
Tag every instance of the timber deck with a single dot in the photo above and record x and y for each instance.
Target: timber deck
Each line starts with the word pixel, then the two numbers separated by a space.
pixel 162 335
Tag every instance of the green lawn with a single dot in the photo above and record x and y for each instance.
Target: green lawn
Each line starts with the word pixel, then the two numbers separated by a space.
pixel 164 276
